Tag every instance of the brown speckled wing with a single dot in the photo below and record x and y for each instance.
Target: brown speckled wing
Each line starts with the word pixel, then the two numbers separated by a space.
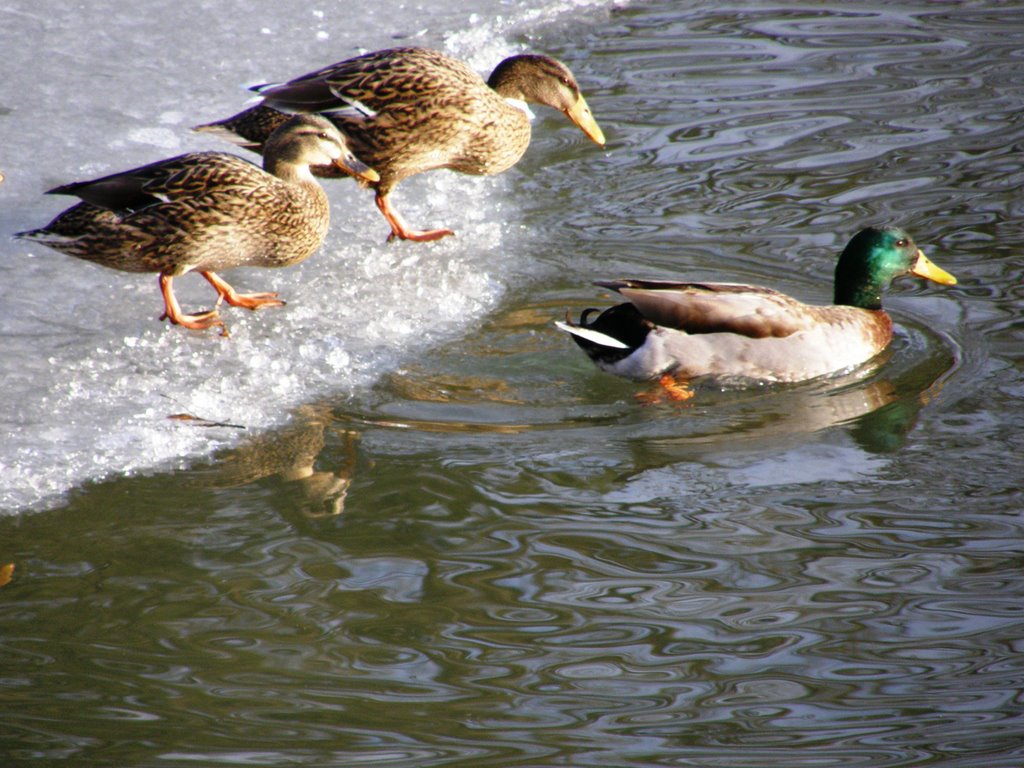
pixel 164 180
pixel 378 80
pixel 193 175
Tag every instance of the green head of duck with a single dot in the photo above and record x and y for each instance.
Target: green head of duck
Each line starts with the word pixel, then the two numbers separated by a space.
pixel 873 259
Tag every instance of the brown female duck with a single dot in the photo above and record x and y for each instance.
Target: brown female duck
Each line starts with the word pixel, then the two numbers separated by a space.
pixel 207 212
pixel 409 110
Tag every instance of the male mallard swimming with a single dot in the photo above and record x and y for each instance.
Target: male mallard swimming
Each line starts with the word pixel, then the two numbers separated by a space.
pixel 680 331
pixel 409 110
pixel 207 211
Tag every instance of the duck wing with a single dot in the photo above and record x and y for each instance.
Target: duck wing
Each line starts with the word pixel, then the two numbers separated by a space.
pixel 373 82
pixel 698 308
pixel 188 175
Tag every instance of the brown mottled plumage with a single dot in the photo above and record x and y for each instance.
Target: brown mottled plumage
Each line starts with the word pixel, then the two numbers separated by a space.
pixel 207 212
pixel 409 110
pixel 680 331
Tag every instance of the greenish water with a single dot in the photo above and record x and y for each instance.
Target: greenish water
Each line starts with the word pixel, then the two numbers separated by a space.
pixel 496 556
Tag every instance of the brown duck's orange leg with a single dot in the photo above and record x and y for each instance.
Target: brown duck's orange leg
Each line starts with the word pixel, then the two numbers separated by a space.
pixel 172 311
pixel 247 300
pixel 401 230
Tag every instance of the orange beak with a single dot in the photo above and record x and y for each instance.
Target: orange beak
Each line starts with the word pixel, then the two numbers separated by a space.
pixel 924 268
pixel 580 114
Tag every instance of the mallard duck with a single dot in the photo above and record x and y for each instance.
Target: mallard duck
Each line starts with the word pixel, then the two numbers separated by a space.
pixel 674 332
pixel 207 211
pixel 409 110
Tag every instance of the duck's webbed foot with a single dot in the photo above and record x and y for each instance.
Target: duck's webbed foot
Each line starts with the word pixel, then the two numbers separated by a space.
pixel 669 387
pixel 401 230
pixel 197 322
pixel 245 300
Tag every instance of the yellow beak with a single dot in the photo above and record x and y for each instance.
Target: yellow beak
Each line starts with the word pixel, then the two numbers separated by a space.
pixel 924 268
pixel 580 114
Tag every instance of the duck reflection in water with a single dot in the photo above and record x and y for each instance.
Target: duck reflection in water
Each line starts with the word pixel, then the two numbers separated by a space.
pixel 785 427
pixel 291 454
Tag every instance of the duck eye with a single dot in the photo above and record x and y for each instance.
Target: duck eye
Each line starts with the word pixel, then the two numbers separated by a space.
pixel 902 243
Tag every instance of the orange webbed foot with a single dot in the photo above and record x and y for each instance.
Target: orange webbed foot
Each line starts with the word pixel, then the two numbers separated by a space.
pixel 252 300
pixel 200 321
pixel 669 387
pixel 401 230
pixel 675 389
pixel 197 322
pixel 419 235
pixel 245 300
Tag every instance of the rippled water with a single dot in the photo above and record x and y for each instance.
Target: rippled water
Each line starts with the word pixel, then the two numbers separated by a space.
pixel 493 555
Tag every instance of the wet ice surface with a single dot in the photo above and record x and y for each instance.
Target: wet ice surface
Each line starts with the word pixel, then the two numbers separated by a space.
pixel 90 375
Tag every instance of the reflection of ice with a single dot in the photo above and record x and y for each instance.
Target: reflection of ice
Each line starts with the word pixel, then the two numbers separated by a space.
pixel 802 465
pixel 87 367
pixel 398 579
